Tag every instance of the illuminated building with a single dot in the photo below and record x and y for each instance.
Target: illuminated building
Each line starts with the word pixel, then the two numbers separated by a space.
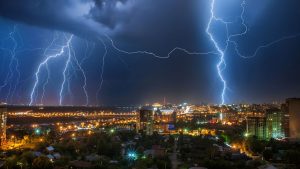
pixel 157 105
pixel 293 109
pixel 145 120
pixel 3 117
pixel 154 118
pixel 164 119
pixel 274 123
pixel 286 120
pixel 257 127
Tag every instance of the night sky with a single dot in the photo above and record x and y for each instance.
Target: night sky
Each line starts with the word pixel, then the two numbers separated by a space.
pixel 32 30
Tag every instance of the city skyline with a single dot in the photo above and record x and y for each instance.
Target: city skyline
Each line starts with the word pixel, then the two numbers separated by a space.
pixel 136 52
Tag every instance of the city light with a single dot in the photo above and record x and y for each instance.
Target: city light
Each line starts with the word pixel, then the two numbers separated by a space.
pixel 132 155
pixel 37 131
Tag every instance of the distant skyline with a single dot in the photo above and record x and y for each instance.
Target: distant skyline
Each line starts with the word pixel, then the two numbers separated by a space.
pixel 93 60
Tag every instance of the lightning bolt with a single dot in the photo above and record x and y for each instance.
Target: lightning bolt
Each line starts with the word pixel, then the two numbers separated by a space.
pixel 45 62
pixel 156 55
pixel 83 74
pixel 102 70
pixel 259 48
pixel 221 65
pixel 68 46
pixel 88 52
pixel 13 66
pixel 47 67
pixel 219 52
pixel 71 63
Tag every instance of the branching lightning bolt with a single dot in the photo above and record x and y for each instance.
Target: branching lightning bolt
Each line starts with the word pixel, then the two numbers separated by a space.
pixel 221 64
pixel 44 64
pixel 84 76
pixel 88 52
pixel 71 63
pixel 259 48
pixel 156 55
pixel 47 67
pixel 68 46
pixel 13 66
pixel 102 71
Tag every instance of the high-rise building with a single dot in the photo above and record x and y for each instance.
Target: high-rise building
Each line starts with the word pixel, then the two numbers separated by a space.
pixel 286 120
pixel 3 117
pixel 274 123
pixel 146 120
pixel 164 120
pixel 257 127
pixel 293 109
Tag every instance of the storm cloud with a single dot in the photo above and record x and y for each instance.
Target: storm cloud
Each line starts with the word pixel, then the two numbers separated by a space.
pixel 77 17
pixel 90 17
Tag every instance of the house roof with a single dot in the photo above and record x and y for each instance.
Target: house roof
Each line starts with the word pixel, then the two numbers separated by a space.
pixel 50 148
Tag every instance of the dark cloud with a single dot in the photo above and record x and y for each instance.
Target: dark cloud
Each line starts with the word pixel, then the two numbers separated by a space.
pixel 112 12
pixel 68 16
pixel 77 17
pixel 90 17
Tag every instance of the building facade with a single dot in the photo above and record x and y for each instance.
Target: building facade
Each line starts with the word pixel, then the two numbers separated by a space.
pixel 257 127
pixel 145 120
pixel 3 118
pixel 293 110
pixel 274 124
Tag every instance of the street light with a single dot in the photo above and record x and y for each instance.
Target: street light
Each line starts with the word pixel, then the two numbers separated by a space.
pixel 37 131
pixel 132 155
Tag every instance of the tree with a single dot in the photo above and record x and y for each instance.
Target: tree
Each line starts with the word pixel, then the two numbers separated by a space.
pixel 140 150
pixel 255 163
pixel 293 157
pixel 217 164
pixel 102 163
pixel 163 164
pixel 140 164
pixel 42 162
pixel 268 154
pixel 11 162
pixel 51 136
pixel 108 148
pixel 63 161
pixel 255 145
pixel 26 159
